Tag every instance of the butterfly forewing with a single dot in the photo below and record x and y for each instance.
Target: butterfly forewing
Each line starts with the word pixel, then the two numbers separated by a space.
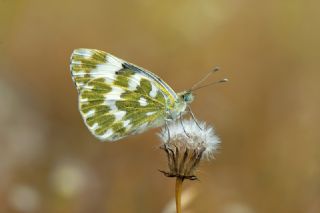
pixel 117 99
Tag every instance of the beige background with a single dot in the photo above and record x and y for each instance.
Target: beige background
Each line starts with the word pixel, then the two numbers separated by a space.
pixel 267 116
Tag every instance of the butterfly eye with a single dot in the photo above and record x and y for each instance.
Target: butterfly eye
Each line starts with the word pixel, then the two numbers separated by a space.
pixel 185 97
pixel 188 97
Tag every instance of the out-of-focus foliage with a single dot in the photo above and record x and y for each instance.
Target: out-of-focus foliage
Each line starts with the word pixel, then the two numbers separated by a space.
pixel 267 116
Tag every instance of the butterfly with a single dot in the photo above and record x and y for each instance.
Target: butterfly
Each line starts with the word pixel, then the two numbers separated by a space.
pixel 118 98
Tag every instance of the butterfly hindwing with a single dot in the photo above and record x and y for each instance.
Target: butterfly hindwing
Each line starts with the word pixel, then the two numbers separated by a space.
pixel 117 99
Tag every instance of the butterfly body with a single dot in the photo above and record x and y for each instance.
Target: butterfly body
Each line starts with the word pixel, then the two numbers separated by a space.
pixel 118 99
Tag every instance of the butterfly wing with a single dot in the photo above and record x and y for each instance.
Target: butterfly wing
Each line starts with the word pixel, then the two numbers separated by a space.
pixel 116 98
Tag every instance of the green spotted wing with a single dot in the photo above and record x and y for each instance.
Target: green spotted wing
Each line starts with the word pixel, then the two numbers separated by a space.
pixel 116 98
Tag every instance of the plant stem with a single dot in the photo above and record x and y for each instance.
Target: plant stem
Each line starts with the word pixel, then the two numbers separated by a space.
pixel 179 181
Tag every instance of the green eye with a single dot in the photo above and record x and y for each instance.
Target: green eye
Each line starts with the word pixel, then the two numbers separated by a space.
pixel 188 97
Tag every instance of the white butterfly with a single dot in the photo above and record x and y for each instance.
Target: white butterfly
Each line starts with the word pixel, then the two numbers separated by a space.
pixel 117 98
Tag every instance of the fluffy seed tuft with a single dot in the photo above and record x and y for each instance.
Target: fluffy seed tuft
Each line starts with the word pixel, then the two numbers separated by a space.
pixel 186 145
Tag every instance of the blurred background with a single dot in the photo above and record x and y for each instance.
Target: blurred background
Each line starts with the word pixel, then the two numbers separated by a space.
pixel 267 116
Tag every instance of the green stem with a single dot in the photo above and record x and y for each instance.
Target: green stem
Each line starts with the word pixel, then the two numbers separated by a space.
pixel 179 181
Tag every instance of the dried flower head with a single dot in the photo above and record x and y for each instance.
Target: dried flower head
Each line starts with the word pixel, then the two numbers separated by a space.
pixel 185 144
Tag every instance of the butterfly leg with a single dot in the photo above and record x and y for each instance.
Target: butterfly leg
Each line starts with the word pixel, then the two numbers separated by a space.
pixel 167 127
pixel 194 118
pixel 180 117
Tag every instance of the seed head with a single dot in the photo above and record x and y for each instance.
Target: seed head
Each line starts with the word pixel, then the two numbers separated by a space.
pixel 186 143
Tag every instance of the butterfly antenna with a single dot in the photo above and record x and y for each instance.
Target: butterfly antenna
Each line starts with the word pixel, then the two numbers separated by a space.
pixel 205 77
pixel 213 83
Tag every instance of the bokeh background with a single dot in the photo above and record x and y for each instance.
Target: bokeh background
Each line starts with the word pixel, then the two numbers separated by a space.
pixel 267 116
